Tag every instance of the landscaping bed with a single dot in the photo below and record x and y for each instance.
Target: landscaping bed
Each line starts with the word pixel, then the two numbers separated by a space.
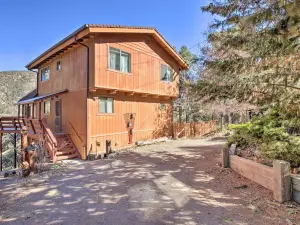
pixel 273 135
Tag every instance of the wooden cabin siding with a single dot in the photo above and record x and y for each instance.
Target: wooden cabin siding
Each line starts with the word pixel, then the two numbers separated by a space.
pixel 72 77
pixel 151 121
pixel 147 56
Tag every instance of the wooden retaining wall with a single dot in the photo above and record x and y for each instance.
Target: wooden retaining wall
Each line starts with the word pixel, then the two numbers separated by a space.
pixel 296 188
pixel 276 178
pixel 194 129
pixel 261 174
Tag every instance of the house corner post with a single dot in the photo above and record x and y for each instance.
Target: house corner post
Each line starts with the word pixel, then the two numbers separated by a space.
pixel 282 181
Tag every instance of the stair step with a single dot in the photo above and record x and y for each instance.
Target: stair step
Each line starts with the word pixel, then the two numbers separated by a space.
pixel 60 135
pixel 65 151
pixel 67 145
pixel 63 157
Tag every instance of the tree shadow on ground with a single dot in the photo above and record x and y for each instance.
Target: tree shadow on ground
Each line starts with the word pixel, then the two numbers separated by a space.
pixel 170 183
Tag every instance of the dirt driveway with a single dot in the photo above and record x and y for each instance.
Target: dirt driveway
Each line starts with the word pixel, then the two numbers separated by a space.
pixel 178 182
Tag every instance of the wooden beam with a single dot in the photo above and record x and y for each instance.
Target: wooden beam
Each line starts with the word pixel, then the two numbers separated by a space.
pixel 166 97
pixel 24 142
pixel 32 111
pixel 144 95
pixel 93 89
pixel 156 96
pixel 130 93
pixel 40 110
pixel 113 92
pixel 15 150
pixel 18 110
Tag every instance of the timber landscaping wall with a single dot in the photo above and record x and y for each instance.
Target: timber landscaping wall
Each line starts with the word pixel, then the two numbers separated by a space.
pixel 296 188
pixel 276 178
pixel 261 174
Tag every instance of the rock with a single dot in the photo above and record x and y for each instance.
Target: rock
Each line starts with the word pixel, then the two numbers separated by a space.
pixel 232 149
pixel 257 153
pixel 288 222
pixel 117 163
pixel 252 207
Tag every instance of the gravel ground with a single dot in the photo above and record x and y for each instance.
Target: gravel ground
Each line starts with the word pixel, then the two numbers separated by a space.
pixel 177 182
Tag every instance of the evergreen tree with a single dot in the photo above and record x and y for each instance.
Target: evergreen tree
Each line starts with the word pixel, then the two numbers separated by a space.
pixel 252 52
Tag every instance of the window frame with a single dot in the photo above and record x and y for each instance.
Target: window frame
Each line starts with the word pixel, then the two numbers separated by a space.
pixel 47 113
pixel 119 51
pixel 167 68
pixel 113 105
pixel 44 80
pixel 58 61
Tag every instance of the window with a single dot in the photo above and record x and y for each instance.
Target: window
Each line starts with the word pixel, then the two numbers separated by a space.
pixel 58 65
pixel 47 107
pixel 162 106
pixel 166 73
pixel 106 105
pixel 119 60
pixel 45 74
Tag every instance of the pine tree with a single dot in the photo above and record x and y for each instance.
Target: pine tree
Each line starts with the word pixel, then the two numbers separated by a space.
pixel 252 52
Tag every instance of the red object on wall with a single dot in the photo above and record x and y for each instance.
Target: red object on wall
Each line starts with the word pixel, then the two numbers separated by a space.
pixel 130 126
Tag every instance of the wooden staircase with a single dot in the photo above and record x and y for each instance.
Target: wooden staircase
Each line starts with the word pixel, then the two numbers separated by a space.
pixel 60 147
pixel 65 148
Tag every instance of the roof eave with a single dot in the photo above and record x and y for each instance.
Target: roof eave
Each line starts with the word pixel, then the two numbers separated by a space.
pixel 90 29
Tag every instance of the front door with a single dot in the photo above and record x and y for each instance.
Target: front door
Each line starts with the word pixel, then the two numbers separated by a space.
pixel 58 127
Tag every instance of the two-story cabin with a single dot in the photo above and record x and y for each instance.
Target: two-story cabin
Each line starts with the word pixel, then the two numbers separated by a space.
pixel 105 83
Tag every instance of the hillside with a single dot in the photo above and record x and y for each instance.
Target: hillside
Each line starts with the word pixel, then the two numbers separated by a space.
pixel 14 85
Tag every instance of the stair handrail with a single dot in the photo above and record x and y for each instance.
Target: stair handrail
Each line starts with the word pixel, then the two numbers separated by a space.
pixel 50 138
pixel 48 132
pixel 76 133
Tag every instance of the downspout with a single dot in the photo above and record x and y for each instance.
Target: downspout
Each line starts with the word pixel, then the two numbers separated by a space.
pixel 87 89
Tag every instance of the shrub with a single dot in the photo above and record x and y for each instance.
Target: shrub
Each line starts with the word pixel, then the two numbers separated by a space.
pixel 241 136
pixel 283 150
pixel 271 134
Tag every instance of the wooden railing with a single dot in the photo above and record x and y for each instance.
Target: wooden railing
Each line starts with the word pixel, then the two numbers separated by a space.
pixel 78 137
pixel 10 124
pixel 50 140
pixel 36 129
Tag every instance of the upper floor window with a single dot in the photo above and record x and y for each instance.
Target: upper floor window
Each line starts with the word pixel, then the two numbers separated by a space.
pixel 106 105
pixel 166 73
pixel 45 74
pixel 58 65
pixel 47 107
pixel 119 60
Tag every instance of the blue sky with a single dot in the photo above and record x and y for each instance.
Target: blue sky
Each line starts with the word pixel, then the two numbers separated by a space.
pixel 29 27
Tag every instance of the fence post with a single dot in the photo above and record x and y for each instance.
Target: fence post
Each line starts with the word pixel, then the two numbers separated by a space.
pixel 225 157
pixel 282 181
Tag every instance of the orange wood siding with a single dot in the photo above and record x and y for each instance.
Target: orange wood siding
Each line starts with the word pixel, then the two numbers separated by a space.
pixel 151 122
pixel 72 77
pixel 147 56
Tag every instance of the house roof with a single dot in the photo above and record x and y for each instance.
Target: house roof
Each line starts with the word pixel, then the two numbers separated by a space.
pixel 88 30
pixel 30 98
pixel 30 95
